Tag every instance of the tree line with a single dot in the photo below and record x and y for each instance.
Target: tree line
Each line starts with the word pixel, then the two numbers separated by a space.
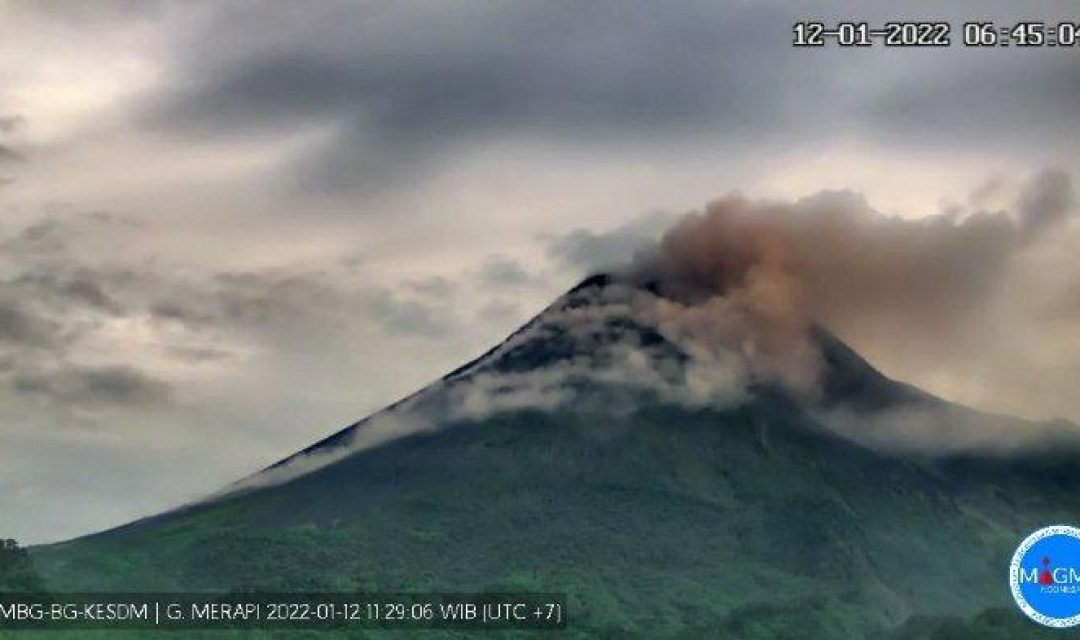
pixel 17 572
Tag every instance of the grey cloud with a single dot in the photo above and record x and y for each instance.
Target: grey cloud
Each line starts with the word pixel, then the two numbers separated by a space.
pixel 499 308
pixel 434 286
pixel 90 292
pixel 403 87
pixel 41 230
pixel 9 124
pixel 93 386
pixel 1046 200
pixel 992 102
pixel 9 155
pixel 404 316
pixel 302 303
pixel 102 12
pixel 593 251
pixel 83 287
pixel 406 84
pixel 503 271
pixel 171 310
pixel 417 71
pixel 200 354
pixel 263 298
pixel 54 234
pixel 20 327
pixel 51 303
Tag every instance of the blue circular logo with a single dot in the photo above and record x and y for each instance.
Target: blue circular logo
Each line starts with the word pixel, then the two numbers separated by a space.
pixel 1045 576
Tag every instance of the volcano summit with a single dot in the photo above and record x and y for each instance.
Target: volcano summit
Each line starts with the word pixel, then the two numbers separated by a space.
pixel 679 470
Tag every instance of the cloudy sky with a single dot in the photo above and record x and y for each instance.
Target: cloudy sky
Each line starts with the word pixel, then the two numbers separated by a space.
pixel 228 228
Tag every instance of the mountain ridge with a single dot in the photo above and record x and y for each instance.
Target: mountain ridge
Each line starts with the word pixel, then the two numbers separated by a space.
pixel 847 381
pixel 654 509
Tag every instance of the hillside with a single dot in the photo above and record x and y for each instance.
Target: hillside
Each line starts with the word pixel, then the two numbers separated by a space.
pixel 561 461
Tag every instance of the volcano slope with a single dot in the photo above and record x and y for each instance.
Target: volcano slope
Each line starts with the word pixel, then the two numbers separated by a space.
pixel 590 454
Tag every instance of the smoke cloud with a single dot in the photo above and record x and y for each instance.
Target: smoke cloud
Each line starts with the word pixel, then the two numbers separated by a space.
pixel 756 276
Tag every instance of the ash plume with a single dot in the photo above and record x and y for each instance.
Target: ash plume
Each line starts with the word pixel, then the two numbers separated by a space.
pixel 756 276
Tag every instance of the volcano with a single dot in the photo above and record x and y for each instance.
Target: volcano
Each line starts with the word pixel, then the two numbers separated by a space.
pixel 666 493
